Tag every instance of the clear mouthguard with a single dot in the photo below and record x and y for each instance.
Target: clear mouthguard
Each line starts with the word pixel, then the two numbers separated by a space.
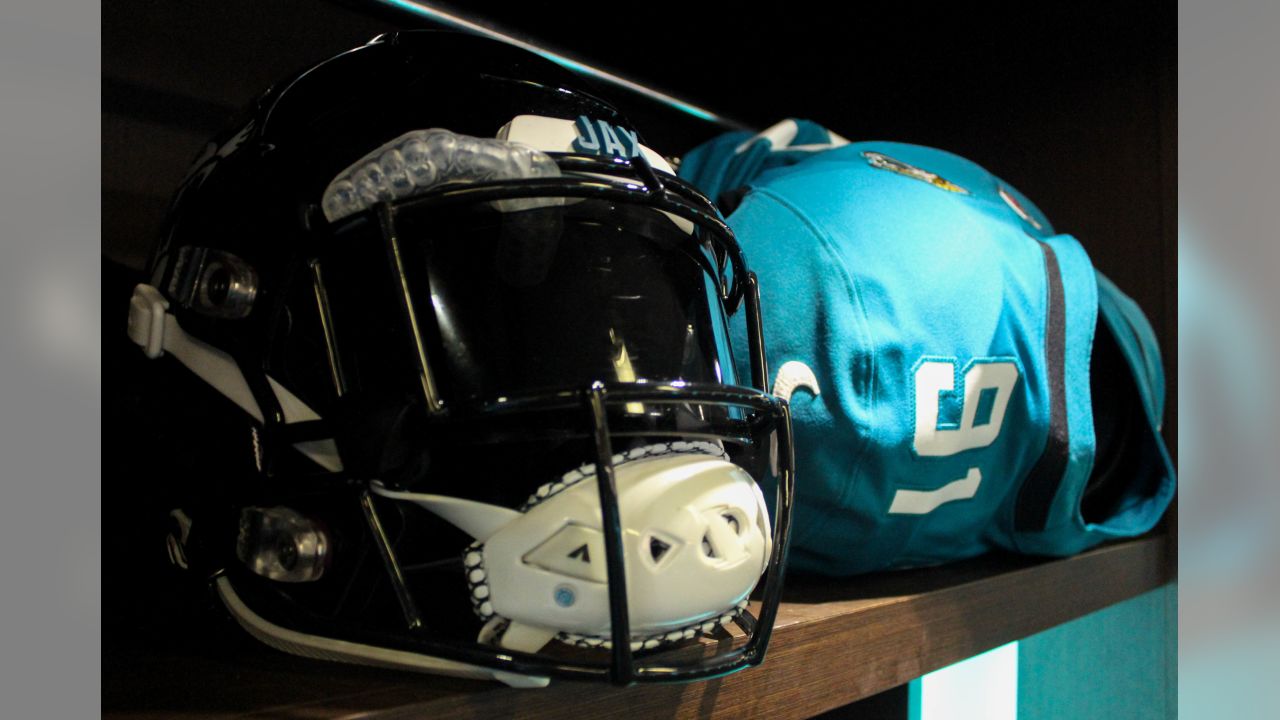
pixel 421 160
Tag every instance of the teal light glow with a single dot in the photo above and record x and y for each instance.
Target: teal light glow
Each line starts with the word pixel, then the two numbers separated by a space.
pixel 459 23
pixel 984 687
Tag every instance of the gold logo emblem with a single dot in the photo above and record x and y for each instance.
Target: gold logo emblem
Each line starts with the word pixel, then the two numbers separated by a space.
pixel 884 162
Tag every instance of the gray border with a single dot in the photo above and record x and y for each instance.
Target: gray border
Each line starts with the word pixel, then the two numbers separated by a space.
pixel 1229 397
pixel 50 490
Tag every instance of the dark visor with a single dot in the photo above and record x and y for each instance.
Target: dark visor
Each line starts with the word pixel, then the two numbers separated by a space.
pixel 508 303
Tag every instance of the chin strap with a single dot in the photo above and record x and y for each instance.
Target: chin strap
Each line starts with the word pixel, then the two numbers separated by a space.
pixel 157 332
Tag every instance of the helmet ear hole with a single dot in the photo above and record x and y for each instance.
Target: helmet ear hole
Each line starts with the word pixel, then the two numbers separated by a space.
pixel 214 283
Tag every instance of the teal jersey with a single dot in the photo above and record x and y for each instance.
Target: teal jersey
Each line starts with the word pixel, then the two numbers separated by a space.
pixel 934 335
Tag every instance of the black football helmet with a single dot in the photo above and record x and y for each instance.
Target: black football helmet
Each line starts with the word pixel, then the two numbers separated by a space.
pixel 463 355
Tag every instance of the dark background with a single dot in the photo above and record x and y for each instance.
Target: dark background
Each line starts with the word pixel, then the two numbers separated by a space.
pixel 1074 105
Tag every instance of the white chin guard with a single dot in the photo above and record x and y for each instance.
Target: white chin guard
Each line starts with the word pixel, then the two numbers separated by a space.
pixel 696 539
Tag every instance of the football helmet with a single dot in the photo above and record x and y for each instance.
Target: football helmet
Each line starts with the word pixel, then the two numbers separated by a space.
pixel 467 402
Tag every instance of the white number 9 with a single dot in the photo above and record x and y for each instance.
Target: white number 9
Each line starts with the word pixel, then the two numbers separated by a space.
pixel 988 385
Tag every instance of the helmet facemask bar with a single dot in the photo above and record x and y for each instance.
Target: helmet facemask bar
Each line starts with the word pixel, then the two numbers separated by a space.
pixel 764 428
pixel 723 260
pixel 623 669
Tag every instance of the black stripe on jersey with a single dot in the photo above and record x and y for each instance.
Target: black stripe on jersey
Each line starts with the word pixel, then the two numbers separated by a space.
pixel 1035 498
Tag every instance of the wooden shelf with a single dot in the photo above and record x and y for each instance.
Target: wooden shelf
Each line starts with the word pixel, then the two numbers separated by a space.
pixel 834 643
